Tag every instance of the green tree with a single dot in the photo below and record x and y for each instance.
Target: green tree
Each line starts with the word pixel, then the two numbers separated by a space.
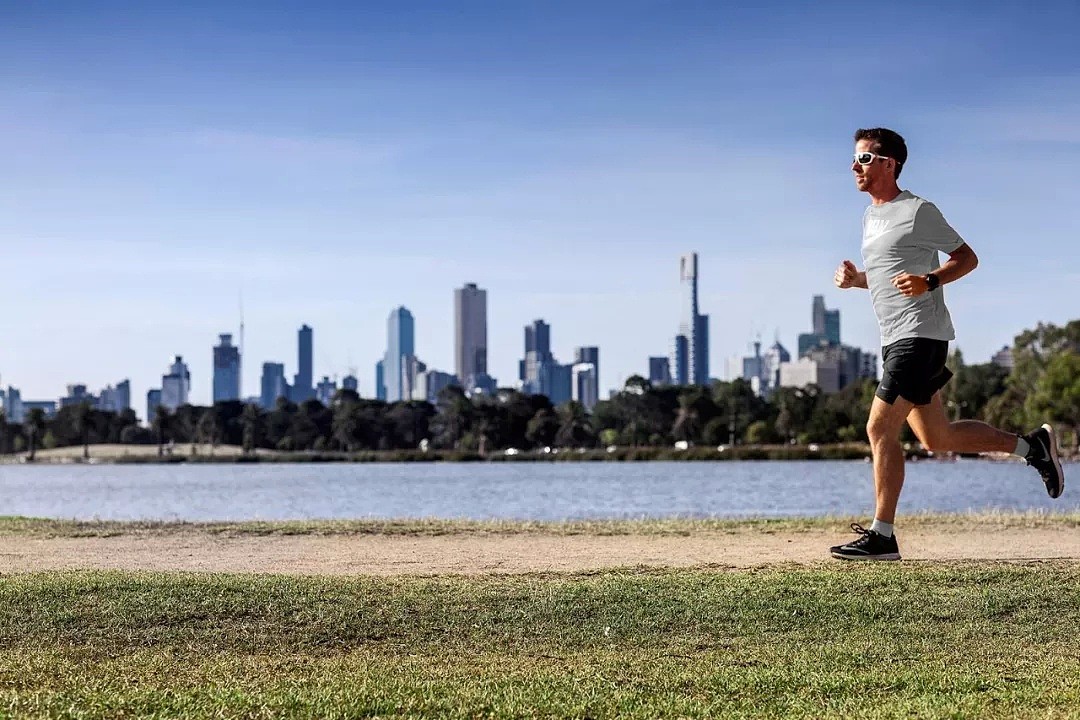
pixel 696 410
pixel 1057 392
pixel 161 427
pixel 407 423
pixel 454 418
pixel 716 432
pixel 346 423
pixel 279 424
pixel 34 428
pixel 542 428
pixel 574 427
pixel 1032 352
pixel 250 421
pixel 82 424
pixel 760 433
pixel 209 429
pixel 738 404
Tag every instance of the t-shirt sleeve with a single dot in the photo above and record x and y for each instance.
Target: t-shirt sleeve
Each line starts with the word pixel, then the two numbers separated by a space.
pixel 933 231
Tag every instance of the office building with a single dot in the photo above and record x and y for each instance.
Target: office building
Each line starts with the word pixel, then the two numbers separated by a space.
pixel 302 388
pixel 690 354
pixel 226 370
pixel 400 345
pixel 273 385
pixel 659 371
pixel 470 333
pixel 176 385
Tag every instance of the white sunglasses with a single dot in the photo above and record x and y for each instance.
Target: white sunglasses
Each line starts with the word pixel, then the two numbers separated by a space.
pixel 865 158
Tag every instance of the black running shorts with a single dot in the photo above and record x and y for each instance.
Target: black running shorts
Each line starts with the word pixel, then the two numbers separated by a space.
pixel 913 369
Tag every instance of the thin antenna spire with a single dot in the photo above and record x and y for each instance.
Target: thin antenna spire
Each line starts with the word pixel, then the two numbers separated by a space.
pixel 241 383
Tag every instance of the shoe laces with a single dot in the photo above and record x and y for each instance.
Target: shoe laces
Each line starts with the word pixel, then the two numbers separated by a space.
pixel 860 530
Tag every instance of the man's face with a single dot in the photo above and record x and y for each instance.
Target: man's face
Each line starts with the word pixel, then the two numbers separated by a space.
pixel 878 173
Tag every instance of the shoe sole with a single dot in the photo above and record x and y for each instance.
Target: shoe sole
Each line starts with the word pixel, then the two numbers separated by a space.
pixel 1054 456
pixel 884 556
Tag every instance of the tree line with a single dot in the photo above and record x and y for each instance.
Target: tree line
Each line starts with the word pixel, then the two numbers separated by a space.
pixel 1044 384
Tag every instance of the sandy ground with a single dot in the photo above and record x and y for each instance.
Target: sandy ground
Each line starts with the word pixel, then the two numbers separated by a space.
pixel 473 554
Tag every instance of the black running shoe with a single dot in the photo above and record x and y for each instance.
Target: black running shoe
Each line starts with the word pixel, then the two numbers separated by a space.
pixel 871 546
pixel 1043 456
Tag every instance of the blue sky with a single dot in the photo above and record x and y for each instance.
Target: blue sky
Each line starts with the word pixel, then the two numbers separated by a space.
pixel 332 161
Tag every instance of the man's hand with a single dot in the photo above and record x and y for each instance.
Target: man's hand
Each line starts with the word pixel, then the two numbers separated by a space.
pixel 910 285
pixel 848 276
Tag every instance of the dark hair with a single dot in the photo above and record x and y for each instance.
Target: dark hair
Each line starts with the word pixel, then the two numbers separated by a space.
pixel 887 143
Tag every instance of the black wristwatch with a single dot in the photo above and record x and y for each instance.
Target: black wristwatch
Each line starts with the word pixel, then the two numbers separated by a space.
pixel 932 281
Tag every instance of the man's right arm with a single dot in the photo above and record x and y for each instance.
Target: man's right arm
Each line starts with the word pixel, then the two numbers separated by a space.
pixel 849 276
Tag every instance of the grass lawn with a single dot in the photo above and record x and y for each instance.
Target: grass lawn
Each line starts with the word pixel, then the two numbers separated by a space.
pixel 51 528
pixel 842 640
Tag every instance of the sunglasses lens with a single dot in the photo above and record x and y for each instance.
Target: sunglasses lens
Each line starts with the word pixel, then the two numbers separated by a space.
pixel 864 158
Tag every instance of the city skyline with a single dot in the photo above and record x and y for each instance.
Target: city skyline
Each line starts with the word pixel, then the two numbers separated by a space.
pixel 332 164
pixel 822 359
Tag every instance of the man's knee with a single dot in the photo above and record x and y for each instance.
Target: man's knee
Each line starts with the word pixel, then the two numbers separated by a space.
pixel 880 430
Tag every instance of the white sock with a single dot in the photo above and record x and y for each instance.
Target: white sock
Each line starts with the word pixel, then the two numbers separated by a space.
pixel 882 528
pixel 1022 447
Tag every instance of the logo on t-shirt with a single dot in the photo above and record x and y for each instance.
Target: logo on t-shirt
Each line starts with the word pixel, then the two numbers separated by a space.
pixel 875 228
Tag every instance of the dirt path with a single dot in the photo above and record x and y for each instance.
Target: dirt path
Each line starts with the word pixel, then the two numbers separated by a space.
pixel 471 554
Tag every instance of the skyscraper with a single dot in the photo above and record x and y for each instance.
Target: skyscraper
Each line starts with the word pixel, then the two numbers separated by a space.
pixel 826 328
pixel 690 358
pixel 325 391
pixel 589 355
pixel 535 368
pixel 584 387
pixel 380 381
pixel 13 405
pixel 680 360
pixel 470 333
pixel 226 370
pixel 400 345
pixel 153 401
pixel 538 338
pixel 659 371
pixel 350 382
pixel 176 386
pixel 274 385
pixel 302 382
pixel 115 399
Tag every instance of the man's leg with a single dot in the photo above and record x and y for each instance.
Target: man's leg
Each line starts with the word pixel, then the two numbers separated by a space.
pixel 879 542
pixel 883 429
pixel 1038 448
pixel 937 434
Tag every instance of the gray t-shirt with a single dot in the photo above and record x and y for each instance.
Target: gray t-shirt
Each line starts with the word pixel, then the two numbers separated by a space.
pixel 905 235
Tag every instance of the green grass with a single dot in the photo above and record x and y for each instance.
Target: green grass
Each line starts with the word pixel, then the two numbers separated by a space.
pixel 51 528
pixel 899 640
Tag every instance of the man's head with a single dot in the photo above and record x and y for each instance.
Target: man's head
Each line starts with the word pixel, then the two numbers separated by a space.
pixel 880 155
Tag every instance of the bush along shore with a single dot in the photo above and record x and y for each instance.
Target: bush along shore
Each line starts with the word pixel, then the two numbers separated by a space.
pixel 205 454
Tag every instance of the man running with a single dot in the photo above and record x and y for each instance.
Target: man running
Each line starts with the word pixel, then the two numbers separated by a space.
pixel 902 236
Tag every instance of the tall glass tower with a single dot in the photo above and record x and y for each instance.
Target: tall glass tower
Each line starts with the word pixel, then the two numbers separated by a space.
pixel 226 370
pixel 690 358
pixel 400 344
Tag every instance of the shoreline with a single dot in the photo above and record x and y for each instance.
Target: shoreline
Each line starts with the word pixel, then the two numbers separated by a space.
pixel 141 454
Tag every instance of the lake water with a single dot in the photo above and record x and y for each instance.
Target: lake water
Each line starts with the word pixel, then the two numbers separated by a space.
pixel 523 491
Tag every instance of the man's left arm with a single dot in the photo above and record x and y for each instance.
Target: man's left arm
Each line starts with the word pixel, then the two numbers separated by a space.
pixel 938 235
pixel 961 261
